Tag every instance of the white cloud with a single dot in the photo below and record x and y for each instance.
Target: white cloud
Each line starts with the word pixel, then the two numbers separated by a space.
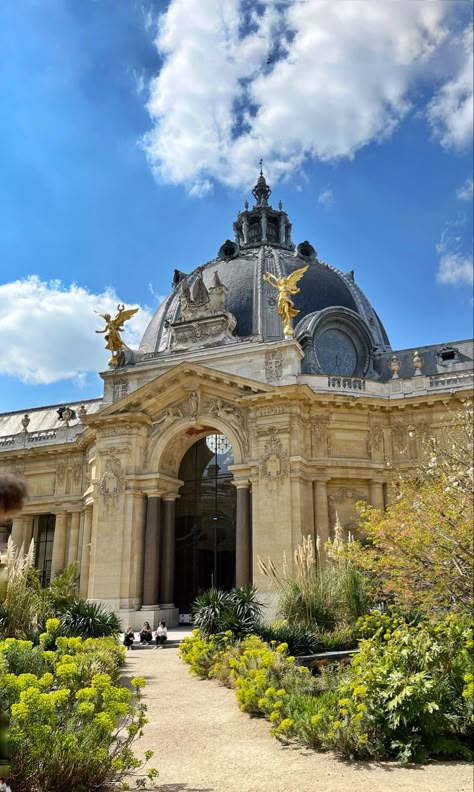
pixel 465 192
pixel 282 81
pixel 326 197
pixel 451 111
pixel 48 330
pixel 455 267
pixel 201 188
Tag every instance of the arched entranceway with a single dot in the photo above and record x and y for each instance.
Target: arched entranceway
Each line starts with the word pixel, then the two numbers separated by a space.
pixel 205 523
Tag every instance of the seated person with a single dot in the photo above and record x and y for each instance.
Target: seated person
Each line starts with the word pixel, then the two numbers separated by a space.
pixel 129 638
pixel 146 635
pixel 161 635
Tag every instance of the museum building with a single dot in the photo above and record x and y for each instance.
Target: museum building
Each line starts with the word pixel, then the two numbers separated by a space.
pixel 223 438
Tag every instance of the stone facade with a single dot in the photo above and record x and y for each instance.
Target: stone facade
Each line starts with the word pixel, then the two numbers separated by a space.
pixel 306 444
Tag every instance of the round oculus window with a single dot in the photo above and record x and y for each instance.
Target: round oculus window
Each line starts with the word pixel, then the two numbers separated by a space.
pixel 336 353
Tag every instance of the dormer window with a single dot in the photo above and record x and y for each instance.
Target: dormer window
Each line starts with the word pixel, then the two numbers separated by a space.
pixel 447 355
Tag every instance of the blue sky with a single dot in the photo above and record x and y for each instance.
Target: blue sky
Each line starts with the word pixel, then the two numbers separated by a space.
pixel 131 134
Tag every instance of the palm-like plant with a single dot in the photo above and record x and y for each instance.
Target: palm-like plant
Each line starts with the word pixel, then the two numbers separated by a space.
pixel 238 610
pixel 88 620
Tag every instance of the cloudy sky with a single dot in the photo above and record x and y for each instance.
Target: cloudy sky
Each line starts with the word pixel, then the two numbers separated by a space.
pixel 131 132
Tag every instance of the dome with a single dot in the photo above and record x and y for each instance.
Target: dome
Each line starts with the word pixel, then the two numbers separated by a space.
pixel 262 243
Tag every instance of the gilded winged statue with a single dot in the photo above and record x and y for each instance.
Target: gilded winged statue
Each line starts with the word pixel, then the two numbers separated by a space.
pixel 112 330
pixel 285 287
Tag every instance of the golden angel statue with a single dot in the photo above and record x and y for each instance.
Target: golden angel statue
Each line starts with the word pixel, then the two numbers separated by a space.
pixel 112 330
pixel 285 287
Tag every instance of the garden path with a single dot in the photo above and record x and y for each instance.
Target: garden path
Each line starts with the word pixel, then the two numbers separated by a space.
pixel 202 742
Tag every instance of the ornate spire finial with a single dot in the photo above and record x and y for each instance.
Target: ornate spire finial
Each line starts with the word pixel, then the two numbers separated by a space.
pixel 261 192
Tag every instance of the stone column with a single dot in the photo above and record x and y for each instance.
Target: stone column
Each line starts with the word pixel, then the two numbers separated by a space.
pixel 59 544
pixel 27 531
pixel 376 494
pixel 151 564
pixel 166 583
pixel 243 535
pixel 72 552
pixel 321 513
pixel 86 553
pixel 18 530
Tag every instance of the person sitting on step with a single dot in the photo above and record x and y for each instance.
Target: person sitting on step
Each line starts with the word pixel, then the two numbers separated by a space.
pixel 129 638
pixel 146 635
pixel 161 635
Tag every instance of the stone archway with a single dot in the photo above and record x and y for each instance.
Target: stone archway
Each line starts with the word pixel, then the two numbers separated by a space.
pixel 163 489
pixel 205 521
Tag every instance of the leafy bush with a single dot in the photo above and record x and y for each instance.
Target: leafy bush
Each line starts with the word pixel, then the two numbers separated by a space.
pixel 407 694
pixel 88 620
pixel 238 610
pixel 71 728
pixel 420 551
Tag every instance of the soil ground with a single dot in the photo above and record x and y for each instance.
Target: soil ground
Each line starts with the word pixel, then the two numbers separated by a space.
pixel 202 742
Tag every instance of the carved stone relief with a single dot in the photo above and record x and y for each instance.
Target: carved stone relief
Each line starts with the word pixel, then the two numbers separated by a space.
pixel 375 441
pixel 320 434
pixel 169 415
pixel 60 474
pixel 399 437
pixel 193 402
pixel 112 481
pixel 119 389
pixel 344 497
pixel 115 431
pixel 273 366
pixel 77 473
pixel 274 467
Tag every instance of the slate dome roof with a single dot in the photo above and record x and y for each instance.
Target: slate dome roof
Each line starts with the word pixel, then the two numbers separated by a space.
pixel 262 243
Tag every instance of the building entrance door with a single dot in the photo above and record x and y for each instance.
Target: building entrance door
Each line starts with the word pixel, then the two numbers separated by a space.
pixel 205 521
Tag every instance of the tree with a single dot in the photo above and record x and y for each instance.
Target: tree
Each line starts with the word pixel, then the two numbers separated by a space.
pixel 420 551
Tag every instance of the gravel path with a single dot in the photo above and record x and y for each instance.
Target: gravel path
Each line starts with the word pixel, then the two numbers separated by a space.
pixel 202 742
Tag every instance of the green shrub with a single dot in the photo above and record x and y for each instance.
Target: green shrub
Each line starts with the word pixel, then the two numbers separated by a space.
pixel 71 728
pixel 407 694
pixel 340 638
pixel 88 620
pixel 238 610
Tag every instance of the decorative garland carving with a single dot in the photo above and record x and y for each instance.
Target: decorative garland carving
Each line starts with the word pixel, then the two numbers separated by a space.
pixel 273 366
pixel 60 474
pixel 375 440
pixel 320 433
pixel 112 481
pixel 275 465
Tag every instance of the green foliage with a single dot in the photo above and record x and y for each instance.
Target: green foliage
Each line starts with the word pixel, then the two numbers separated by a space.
pixel 407 694
pixel 71 727
pixel 421 549
pixel 319 595
pixel 88 620
pixel 300 640
pixel 238 610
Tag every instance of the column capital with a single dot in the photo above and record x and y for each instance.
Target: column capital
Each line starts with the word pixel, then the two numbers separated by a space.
pixel 241 483
pixel 170 496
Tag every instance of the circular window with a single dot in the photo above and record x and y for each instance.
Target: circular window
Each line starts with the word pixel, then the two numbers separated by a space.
pixel 218 444
pixel 228 250
pixel 306 250
pixel 336 353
